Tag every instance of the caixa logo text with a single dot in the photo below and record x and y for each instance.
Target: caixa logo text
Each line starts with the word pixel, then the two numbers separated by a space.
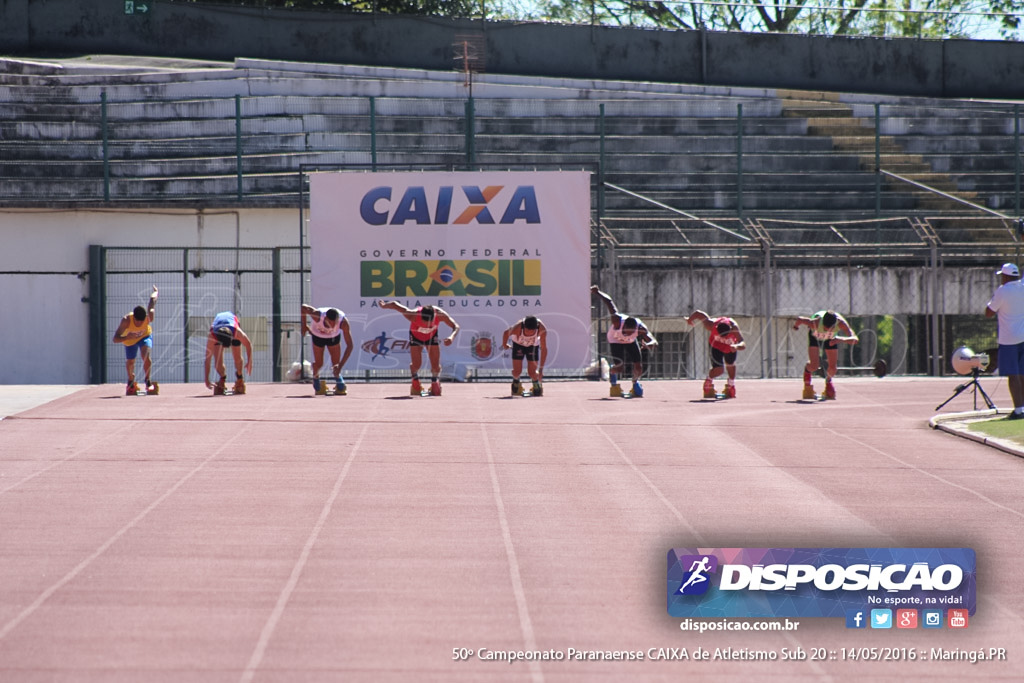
pixel 472 204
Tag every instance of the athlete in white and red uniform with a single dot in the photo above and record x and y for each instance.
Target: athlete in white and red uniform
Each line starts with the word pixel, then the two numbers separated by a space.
pixel 326 326
pixel 528 339
pixel 826 329
pixel 424 322
pixel 725 340
pixel 629 340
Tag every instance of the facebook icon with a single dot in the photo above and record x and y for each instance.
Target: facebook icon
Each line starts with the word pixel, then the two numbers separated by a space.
pixel 856 618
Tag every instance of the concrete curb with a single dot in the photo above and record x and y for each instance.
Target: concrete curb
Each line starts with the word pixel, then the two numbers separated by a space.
pixel 956 424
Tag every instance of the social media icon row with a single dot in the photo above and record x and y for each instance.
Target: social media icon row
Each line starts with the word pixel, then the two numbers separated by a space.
pixel 905 618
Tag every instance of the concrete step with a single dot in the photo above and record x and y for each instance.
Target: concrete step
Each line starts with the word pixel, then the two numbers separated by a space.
pixel 839 127
pixel 817 112
pixel 958 144
pixel 702 163
pixel 786 94
pixel 650 144
pixel 946 126
pixel 972 163
pixel 863 146
pixel 936 109
pixel 626 126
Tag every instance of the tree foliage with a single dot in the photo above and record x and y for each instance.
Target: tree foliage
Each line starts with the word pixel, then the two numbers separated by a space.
pixel 442 8
pixel 905 18
pixel 899 18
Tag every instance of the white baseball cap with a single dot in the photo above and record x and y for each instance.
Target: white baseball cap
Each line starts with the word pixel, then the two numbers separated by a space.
pixel 1009 269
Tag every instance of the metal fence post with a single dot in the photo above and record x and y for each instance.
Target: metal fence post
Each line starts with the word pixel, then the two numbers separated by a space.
pixel 600 190
pixel 878 162
pixel 184 309
pixel 275 287
pixel 302 255
pixel 238 142
pixel 470 134
pixel 936 348
pixel 106 146
pixel 97 314
pixel 739 161
pixel 1016 161
pixel 373 134
pixel 768 310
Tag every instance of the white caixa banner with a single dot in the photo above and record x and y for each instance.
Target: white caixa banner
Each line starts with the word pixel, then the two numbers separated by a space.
pixel 489 248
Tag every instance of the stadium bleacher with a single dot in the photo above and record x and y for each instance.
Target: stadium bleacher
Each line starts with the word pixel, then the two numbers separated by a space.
pixel 166 132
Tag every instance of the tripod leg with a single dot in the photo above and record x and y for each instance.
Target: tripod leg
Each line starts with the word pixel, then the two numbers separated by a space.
pixel 959 390
pixel 988 401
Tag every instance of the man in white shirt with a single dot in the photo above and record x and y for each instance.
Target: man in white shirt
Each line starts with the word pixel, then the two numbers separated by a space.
pixel 1007 306
pixel 327 326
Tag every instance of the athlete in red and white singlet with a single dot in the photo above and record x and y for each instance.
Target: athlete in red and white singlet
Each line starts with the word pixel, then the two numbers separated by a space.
pixel 528 339
pixel 725 339
pixel 630 342
pixel 424 323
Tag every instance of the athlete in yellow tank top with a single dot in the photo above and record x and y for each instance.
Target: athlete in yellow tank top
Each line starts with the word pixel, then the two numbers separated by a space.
pixel 135 332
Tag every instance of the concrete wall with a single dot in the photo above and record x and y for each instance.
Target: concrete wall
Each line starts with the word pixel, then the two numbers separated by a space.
pixel 801 291
pixel 950 68
pixel 44 266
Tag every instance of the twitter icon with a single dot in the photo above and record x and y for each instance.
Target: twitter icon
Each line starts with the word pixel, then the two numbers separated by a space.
pixel 881 618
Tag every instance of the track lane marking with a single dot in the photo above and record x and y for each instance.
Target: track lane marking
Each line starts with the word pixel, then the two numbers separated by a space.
pixel 788 637
pixel 66 459
pixel 67 578
pixel 282 600
pixel 525 625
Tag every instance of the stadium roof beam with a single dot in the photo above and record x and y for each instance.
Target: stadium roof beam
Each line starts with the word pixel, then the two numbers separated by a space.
pixel 675 210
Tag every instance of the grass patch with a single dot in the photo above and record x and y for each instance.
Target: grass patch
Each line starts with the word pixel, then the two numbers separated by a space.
pixel 1000 428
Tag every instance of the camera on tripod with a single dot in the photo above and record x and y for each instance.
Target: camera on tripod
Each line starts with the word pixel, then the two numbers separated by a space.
pixel 967 362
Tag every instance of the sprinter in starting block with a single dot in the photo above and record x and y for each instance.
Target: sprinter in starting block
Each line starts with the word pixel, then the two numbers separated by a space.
pixel 226 333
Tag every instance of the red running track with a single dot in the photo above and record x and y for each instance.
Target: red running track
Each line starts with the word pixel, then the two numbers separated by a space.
pixel 280 536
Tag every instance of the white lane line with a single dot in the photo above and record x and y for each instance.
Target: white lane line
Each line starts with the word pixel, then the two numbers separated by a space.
pixel 791 639
pixel 74 455
pixel 525 625
pixel 282 600
pixel 657 492
pixel 45 595
pixel 979 495
pixel 997 604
